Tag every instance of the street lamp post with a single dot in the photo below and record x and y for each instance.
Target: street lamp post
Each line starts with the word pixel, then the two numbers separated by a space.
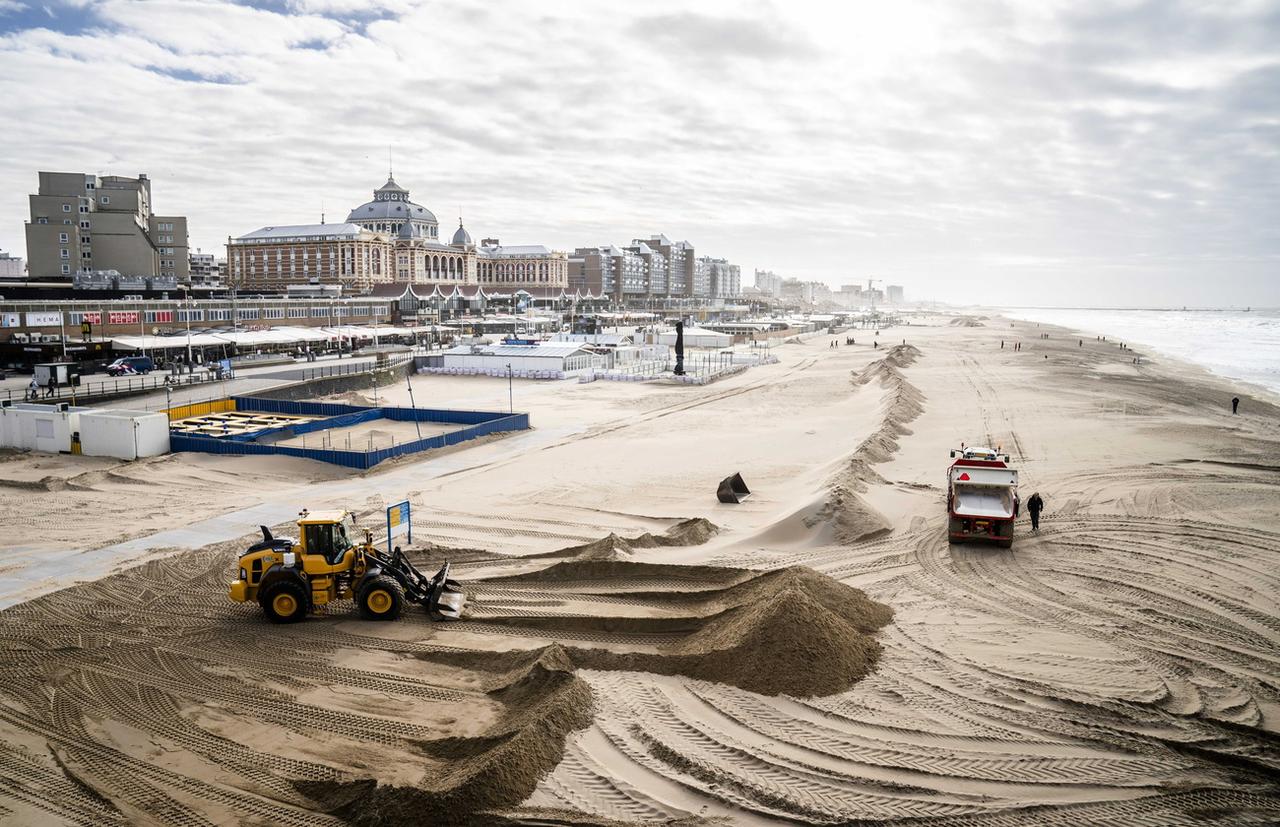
pixel 186 301
pixel 511 404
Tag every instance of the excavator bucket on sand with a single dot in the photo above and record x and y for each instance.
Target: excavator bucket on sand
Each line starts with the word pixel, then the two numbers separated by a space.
pixel 732 490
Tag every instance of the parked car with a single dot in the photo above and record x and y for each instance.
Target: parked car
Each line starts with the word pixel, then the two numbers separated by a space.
pixel 129 365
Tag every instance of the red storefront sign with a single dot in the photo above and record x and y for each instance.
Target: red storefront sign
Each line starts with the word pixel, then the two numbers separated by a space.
pixel 123 316
pixel 92 317
pixel 164 315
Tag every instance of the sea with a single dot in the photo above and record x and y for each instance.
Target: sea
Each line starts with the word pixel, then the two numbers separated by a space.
pixel 1236 344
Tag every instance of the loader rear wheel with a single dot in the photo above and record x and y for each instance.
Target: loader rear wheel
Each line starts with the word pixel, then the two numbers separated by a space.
pixel 284 602
pixel 381 599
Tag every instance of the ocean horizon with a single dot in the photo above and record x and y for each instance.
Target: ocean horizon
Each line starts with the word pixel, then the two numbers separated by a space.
pixel 1237 344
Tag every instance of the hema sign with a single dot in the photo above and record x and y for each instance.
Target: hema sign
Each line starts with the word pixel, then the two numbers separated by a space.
pixel 44 319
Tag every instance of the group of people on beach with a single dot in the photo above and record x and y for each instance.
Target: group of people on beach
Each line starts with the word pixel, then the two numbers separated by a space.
pixel 849 340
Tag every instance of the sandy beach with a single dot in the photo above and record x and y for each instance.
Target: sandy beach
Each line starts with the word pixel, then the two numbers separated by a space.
pixel 636 652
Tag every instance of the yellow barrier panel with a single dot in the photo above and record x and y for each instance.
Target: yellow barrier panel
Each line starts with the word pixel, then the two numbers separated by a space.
pixel 200 409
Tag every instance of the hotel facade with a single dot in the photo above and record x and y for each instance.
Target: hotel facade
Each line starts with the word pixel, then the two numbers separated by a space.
pixel 387 240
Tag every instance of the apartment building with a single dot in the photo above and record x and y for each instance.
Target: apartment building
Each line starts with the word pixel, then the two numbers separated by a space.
pixel 82 223
pixel 206 268
pixel 769 283
pixel 12 267
pixel 610 271
pixel 655 267
pixel 684 279
pixel 724 279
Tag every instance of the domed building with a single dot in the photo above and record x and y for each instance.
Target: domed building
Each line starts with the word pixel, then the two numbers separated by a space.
pixel 391 209
pixel 388 240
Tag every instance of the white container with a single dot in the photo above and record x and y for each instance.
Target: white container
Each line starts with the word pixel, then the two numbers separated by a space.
pixel 123 434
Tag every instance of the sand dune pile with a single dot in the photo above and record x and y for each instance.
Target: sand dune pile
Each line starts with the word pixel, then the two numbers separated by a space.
pixel 840 515
pixel 692 532
pixel 967 321
pixel 791 631
pixel 904 402
pixel 543 701
pixel 848 518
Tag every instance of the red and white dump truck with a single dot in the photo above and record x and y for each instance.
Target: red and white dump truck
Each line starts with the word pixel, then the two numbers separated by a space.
pixel 982 496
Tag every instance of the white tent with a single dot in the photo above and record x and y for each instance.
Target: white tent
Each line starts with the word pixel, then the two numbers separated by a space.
pixel 284 335
pixel 697 337
pixel 178 342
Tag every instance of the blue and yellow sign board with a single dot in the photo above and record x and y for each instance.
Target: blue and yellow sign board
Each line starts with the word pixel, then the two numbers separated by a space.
pixel 398 522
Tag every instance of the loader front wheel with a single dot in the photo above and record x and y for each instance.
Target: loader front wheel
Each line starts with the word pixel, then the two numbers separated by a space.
pixel 381 599
pixel 284 602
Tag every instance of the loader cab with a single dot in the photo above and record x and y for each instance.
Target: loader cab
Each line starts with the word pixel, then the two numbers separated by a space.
pixel 327 534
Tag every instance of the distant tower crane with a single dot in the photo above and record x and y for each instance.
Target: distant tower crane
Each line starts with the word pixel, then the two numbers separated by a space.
pixel 871 292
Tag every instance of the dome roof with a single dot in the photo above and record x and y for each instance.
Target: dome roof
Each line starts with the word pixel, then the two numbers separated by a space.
pixel 461 236
pixel 391 203
pixel 393 211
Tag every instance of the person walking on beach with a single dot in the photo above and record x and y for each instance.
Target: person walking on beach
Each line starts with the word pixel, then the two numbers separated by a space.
pixel 1034 506
pixel 1235 404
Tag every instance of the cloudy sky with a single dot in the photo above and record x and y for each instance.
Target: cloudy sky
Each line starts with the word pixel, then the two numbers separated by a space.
pixel 1047 152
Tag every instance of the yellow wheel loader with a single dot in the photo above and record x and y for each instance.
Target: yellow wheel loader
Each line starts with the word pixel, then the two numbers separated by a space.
pixel 289 578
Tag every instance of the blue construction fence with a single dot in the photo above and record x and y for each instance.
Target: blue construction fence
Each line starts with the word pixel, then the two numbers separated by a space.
pixel 333 415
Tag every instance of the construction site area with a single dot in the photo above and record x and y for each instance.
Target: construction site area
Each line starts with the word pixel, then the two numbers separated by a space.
pixel 809 593
pixel 356 436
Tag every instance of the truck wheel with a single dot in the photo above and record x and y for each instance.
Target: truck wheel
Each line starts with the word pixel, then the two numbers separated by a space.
pixel 381 599
pixel 284 602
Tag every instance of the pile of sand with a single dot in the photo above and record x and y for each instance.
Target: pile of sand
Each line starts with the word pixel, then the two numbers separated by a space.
pixel 791 631
pixel 967 321
pixel 351 398
pixel 850 518
pixel 692 532
pixel 543 700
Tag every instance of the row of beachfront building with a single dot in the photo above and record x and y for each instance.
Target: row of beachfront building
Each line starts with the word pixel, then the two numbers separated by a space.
pixel 86 227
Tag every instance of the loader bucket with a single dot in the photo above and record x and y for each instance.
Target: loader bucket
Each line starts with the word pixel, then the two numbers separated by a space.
pixel 732 490
pixel 446 600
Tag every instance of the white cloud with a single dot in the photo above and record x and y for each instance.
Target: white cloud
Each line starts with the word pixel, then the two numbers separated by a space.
pixel 946 146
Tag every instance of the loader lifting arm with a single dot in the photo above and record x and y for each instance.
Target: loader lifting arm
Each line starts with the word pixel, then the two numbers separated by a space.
pixel 441 595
